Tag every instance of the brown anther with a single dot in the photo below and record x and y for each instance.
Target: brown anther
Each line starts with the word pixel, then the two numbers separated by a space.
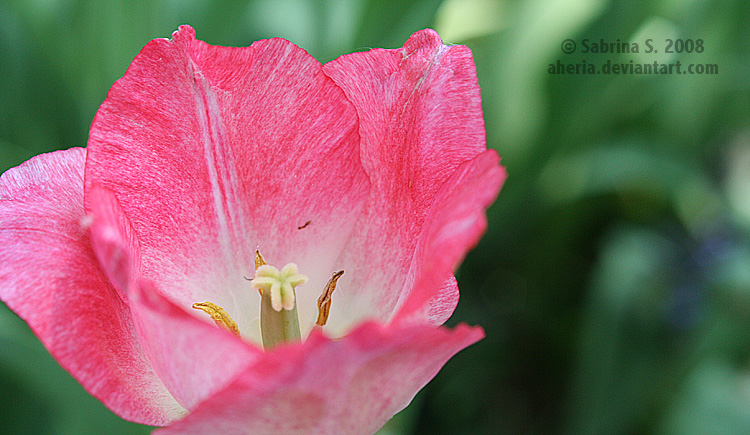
pixel 220 316
pixel 259 261
pixel 324 301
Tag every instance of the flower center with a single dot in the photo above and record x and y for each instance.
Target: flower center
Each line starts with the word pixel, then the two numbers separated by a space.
pixel 279 321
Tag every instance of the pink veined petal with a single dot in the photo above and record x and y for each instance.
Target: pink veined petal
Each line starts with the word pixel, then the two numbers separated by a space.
pixel 349 386
pixel 193 358
pixel 456 222
pixel 420 118
pixel 50 277
pixel 115 245
pixel 216 151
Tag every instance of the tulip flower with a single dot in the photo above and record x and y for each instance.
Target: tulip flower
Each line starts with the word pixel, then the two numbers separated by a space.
pixel 253 242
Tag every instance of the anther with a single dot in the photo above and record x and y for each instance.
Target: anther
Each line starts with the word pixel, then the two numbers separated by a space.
pixel 219 316
pixel 324 301
pixel 259 261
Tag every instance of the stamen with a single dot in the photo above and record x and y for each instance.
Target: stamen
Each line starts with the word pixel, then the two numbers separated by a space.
pixel 324 301
pixel 220 316
pixel 259 261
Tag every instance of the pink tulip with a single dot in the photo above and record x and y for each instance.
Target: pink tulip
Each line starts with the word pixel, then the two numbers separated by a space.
pixel 374 164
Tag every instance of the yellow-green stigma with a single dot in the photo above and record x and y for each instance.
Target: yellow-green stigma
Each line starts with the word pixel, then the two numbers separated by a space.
pixel 279 284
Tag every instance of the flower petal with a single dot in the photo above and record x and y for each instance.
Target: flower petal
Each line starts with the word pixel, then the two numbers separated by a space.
pixel 215 151
pixel 115 245
pixel 349 386
pixel 192 357
pixel 50 277
pixel 454 225
pixel 420 118
pixel 195 359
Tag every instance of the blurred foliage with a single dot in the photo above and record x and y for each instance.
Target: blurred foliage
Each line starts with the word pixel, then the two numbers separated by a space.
pixel 614 280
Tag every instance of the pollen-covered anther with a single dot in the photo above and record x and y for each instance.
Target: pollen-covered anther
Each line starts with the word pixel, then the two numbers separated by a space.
pixel 259 261
pixel 280 284
pixel 222 319
pixel 324 301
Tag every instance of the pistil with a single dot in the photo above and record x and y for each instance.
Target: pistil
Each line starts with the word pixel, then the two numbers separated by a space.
pixel 279 321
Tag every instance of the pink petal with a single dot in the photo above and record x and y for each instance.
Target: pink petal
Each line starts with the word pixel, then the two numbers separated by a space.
pixel 420 119
pixel 214 151
pixel 456 222
pixel 349 386
pixel 115 245
pixel 50 277
pixel 193 358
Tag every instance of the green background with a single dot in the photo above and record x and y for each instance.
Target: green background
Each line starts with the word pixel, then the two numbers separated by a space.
pixel 614 279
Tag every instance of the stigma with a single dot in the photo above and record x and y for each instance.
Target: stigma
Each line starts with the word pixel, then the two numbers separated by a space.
pixel 279 284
